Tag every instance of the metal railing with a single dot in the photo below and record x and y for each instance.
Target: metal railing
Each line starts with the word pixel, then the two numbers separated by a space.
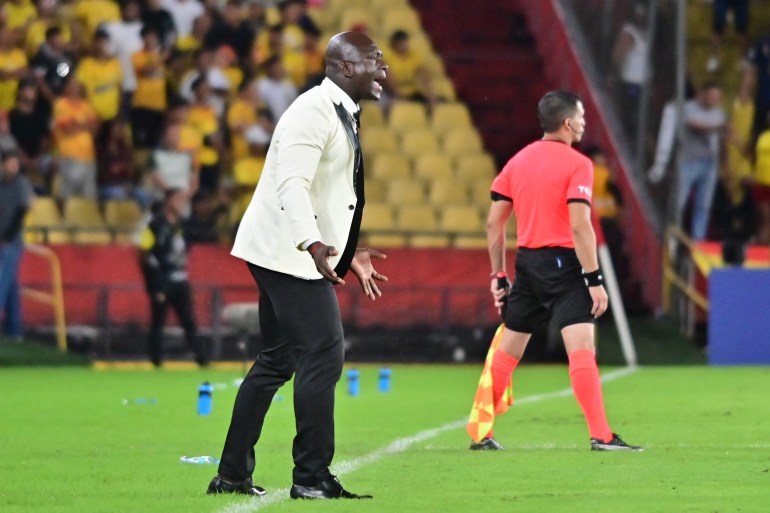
pixel 674 269
pixel 54 298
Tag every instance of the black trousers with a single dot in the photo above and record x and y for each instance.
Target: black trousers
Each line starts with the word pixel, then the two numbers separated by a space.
pixel 179 296
pixel 301 336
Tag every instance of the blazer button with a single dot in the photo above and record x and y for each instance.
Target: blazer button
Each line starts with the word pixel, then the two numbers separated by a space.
pixel 351 207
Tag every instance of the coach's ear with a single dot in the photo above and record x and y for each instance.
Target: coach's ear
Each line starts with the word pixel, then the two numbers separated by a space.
pixel 346 68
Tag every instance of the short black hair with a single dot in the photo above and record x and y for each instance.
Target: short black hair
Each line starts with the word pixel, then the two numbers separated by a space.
pixel 9 154
pixel 147 30
pixel 52 31
pixel 554 107
pixel 398 36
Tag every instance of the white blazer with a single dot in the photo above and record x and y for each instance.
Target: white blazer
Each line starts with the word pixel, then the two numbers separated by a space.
pixel 306 188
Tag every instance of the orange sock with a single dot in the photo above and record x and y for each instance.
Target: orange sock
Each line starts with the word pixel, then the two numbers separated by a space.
pixel 587 386
pixel 503 366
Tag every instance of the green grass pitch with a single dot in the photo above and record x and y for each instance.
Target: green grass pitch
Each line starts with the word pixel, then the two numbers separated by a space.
pixel 69 444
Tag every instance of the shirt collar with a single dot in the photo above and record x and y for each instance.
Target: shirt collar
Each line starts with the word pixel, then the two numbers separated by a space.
pixel 337 95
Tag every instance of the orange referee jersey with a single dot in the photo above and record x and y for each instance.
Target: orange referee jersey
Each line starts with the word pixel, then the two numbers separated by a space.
pixel 541 180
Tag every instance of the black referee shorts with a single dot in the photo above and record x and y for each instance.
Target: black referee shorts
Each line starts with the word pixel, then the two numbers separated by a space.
pixel 548 283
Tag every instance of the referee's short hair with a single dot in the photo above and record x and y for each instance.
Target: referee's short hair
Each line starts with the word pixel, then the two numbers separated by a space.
pixel 554 107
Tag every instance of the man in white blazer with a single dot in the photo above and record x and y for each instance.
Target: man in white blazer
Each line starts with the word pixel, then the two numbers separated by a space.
pixel 308 203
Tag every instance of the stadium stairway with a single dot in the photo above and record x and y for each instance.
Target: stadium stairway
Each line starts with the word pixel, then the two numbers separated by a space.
pixel 492 61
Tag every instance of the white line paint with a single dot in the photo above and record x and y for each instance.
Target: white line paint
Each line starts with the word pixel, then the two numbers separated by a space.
pixel 400 445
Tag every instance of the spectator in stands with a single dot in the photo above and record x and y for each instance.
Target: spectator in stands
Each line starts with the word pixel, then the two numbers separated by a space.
pixel 15 200
pixel 761 184
pixel 295 21
pixel 92 13
pixel 704 122
pixel 8 142
pixel 149 100
pixel 733 213
pixel 226 61
pixel 231 30
pixel 757 77
pixel 13 67
pixel 18 14
pixel 631 55
pixel 194 40
pixel 172 166
pixel 216 78
pixel 204 120
pixel 207 218
pixel 256 15
pixel 48 15
pixel 117 176
pixel 51 66
pixel 158 18
pixel 184 14
pixel 408 78
pixel 30 125
pixel 275 89
pixel 247 110
pixel 125 38
pixel 101 74
pixel 75 123
pixel 164 265
pixel 313 58
pixel 607 202
pixel 740 11
pixel 248 169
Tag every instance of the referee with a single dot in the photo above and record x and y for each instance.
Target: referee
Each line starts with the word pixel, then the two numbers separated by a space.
pixel 547 185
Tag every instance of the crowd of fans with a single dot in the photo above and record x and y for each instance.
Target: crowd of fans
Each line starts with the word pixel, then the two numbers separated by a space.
pixel 116 100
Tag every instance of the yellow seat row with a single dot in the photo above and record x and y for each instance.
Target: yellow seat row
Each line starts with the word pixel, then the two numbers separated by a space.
pixel 82 221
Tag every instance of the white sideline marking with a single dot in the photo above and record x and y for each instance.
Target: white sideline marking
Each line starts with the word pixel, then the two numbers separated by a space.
pixel 402 444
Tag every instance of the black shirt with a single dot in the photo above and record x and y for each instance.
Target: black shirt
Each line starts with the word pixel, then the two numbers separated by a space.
pixel 30 129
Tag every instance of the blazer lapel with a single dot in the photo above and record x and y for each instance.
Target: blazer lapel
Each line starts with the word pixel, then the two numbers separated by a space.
pixel 347 122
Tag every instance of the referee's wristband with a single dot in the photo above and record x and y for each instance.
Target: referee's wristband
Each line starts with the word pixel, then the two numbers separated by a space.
pixel 594 278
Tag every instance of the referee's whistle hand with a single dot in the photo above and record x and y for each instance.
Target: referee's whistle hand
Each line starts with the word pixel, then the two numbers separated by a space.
pixel 600 300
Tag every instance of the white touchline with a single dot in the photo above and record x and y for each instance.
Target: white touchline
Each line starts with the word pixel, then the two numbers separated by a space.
pixel 400 445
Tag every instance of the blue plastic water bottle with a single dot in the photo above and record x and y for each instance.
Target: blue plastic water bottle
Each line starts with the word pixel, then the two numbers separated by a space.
pixel 204 398
pixel 353 384
pixel 384 384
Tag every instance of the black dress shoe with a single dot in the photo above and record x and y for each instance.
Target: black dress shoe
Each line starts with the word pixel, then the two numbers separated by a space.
pixel 245 487
pixel 329 489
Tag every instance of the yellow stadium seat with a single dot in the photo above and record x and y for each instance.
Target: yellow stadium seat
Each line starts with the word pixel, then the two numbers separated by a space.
pixel 444 89
pixel 405 191
pixel 82 215
pixel 400 18
pixel 416 218
pixel 461 141
pixel 407 116
pixel 480 192
pixel 433 166
pixel 124 216
pixel 43 222
pixel 464 219
pixel 435 66
pixel 429 241
pixel 375 190
pixel 371 114
pixel 384 5
pixel 448 116
pixel 386 166
pixel 476 166
pixel 470 242
pixel 419 142
pixel 379 241
pixel 447 192
pixel 378 216
pixel 378 139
